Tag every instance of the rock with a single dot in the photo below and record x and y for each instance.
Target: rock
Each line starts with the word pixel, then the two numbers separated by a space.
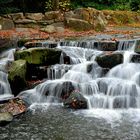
pixel 15 106
pixel 17 76
pixel 5 118
pixel 67 88
pixel 137 48
pixel 34 16
pixel 106 45
pixel 25 21
pixel 16 16
pixel 48 44
pixel 6 44
pixel 92 16
pixel 49 29
pixel 60 29
pixel 78 24
pixel 135 58
pixel 75 101
pixel 45 22
pixel 6 24
pixel 39 56
pixel 56 15
pixel 121 17
pixel 109 60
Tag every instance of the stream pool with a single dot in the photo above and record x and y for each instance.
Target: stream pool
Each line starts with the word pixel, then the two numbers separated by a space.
pixel 57 123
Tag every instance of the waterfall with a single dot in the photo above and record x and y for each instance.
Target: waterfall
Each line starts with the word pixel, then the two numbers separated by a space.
pixel 119 88
pixel 5 60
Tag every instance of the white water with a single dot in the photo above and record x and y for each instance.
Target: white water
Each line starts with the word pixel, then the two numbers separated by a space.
pixel 5 60
pixel 118 89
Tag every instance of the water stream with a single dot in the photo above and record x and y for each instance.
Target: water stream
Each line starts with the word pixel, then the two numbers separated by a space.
pixel 113 99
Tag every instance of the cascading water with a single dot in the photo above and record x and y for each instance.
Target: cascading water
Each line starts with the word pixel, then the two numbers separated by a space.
pixel 5 59
pixel 118 89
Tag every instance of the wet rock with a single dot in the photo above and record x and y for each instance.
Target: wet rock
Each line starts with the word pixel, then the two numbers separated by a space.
pixel 106 45
pixel 5 118
pixel 67 88
pixel 137 48
pixel 39 56
pixel 34 16
pixel 75 101
pixel 17 76
pixel 15 106
pixel 78 24
pixel 135 58
pixel 109 60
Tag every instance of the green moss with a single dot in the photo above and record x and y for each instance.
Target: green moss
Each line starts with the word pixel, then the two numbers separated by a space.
pixel 18 68
pixel 39 56
pixel 17 76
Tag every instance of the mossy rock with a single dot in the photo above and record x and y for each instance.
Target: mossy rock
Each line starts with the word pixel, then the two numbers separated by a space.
pixel 78 24
pixel 121 17
pixel 109 60
pixel 17 76
pixel 137 48
pixel 39 56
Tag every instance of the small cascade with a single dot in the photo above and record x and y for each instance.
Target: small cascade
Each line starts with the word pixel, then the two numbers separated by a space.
pixel 5 60
pixel 57 71
pixel 80 44
pixel 128 47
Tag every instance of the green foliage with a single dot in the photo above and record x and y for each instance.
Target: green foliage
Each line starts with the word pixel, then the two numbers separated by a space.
pixel 135 5
pixel 7 6
pixel 63 5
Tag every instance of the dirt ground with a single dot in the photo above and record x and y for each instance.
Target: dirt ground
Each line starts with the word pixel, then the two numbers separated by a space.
pixel 19 33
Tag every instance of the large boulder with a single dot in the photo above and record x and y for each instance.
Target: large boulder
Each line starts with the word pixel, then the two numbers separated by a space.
pixel 6 24
pixel 76 101
pixel 78 24
pixel 109 60
pixel 92 16
pixel 17 76
pixel 39 56
pixel 5 118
